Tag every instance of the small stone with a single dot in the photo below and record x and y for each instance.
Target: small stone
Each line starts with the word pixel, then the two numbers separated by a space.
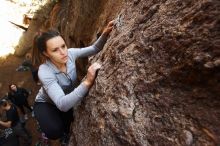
pixel 209 65
pixel 202 57
pixel 217 62
pixel 188 137
pixel 198 59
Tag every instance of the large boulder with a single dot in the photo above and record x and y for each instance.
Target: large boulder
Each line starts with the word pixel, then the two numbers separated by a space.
pixel 159 82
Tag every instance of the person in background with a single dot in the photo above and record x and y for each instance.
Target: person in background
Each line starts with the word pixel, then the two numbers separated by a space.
pixel 12 121
pixel 7 136
pixel 32 67
pixel 27 65
pixel 18 96
pixel 59 93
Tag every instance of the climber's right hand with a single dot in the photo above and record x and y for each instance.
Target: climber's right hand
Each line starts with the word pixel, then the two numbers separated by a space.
pixel 91 74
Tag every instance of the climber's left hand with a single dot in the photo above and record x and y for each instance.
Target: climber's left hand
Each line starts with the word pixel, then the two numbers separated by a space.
pixel 108 28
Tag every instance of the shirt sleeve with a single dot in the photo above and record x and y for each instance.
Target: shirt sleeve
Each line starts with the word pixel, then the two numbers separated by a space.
pixel 89 51
pixel 55 92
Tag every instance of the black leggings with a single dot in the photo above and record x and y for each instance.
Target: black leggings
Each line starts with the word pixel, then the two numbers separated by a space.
pixel 53 122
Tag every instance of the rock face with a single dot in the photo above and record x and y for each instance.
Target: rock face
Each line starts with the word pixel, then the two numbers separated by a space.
pixel 160 78
pixel 159 84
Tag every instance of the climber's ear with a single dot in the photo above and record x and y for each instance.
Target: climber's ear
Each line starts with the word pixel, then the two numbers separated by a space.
pixel 45 54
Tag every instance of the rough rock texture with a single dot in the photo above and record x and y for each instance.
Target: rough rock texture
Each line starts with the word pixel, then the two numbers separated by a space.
pixel 159 84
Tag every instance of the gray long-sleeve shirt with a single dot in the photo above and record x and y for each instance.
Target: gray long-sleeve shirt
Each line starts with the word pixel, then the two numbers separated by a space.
pixel 58 87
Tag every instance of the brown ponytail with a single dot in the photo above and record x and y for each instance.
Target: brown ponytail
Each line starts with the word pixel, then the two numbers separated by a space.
pixel 37 57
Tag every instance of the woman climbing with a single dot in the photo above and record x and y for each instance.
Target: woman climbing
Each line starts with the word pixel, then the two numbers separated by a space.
pixel 59 92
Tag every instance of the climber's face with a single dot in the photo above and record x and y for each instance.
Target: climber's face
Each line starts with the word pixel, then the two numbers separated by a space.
pixel 56 50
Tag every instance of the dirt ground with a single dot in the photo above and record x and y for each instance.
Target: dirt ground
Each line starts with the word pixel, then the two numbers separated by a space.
pixel 8 74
